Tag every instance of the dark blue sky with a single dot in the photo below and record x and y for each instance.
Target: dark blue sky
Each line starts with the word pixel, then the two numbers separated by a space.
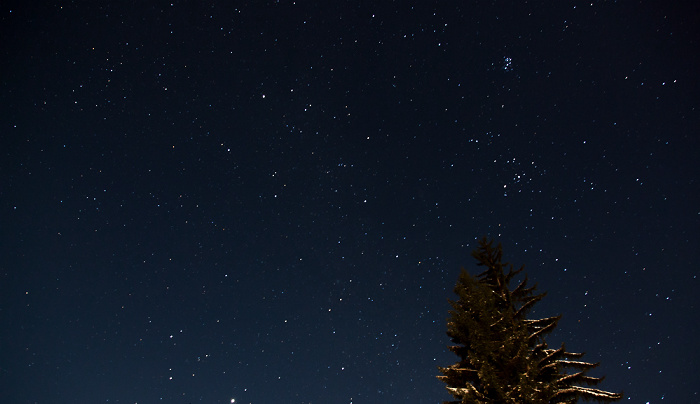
pixel 271 201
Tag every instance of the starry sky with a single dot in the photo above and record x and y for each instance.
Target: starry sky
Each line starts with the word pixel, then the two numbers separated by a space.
pixel 271 201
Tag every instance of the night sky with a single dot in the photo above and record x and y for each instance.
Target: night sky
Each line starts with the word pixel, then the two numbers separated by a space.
pixel 270 202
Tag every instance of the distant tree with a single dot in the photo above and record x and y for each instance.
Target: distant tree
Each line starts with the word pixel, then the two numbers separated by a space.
pixel 503 357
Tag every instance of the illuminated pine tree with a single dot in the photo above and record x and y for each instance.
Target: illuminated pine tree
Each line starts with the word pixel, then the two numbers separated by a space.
pixel 503 357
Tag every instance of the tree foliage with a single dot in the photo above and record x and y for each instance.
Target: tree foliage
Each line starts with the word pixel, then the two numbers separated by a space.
pixel 503 357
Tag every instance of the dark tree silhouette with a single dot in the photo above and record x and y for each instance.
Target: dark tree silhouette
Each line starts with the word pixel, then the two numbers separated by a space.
pixel 503 357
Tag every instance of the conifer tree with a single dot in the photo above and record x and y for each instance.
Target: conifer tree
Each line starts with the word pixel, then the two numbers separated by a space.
pixel 503 357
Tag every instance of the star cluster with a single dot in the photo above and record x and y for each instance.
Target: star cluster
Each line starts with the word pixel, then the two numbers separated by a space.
pixel 272 200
